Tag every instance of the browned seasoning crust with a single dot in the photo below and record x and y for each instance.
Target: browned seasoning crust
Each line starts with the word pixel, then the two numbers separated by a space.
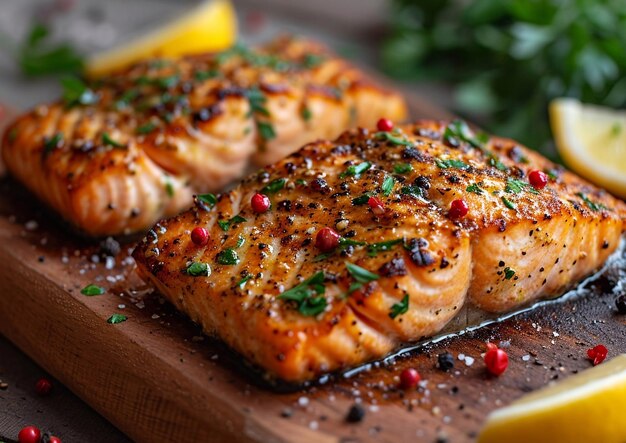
pixel 142 142
pixel 516 245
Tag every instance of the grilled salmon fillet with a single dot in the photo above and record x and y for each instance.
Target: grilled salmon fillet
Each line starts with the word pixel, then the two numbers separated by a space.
pixel 118 154
pixel 298 301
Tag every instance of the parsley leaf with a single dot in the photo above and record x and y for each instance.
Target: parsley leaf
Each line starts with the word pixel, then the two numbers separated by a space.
pixel 356 170
pixel 117 318
pixel 458 131
pixel 374 248
pixel 266 130
pixel 412 190
pixel 146 128
pixel 52 143
pixel 388 136
pixel 208 200
pixel 402 168
pixel 508 273
pixel 387 185
pixel 274 186
pixel 36 56
pixel 308 295
pixel 257 101
pixel 228 257
pixel 451 163
pixel 306 114
pixel 75 92
pixel 400 308
pixel 496 163
pixel 107 140
pixel 359 274
pixel 362 199
pixel 595 207
pixel 509 204
pixel 241 283
pixel 514 186
pixel 91 290
pixel 226 224
pixel 198 269
pixel 475 188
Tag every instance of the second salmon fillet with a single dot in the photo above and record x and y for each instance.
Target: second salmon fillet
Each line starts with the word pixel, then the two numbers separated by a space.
pixel 120 153
pixel 365 245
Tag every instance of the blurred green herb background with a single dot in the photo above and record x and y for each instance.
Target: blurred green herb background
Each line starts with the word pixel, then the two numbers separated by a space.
pixel 506 59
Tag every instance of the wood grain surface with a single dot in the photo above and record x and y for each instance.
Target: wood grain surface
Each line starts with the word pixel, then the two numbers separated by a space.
pixel 158 379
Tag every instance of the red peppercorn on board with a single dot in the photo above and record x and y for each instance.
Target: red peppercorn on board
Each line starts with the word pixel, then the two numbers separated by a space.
pixel 78 309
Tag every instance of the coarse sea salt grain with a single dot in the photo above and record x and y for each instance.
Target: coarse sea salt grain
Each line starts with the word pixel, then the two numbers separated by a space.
pixel 31 225
pixel 526 357
pixel 303 401
pixel 469 361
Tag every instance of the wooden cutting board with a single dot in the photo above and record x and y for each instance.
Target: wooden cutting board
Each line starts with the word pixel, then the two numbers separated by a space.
pixel 158 379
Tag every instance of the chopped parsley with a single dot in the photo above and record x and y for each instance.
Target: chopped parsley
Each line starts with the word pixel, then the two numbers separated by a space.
pixel 458 131
pixel 509 204
pixel 552 173
pixel 387 185
pixel 169 187
pixel 374 248
pixel 306 114
pixel 126 98
pixel 313 60
pixel 496 163
pixel 361 276
pixel 451 163
pixel 402 168
pixel 514 186
pixel 393 139
pixel 228 257
pixel 209 200
pixel 198 269
pixel 146 128
pixel 475 188
pixel 226 224
pixel 205 75
pixel 508 273
pixel 274 186
pixel 91 290
pixel 257 101
pixel 308 295
pixel 362 199
pixel 356 170
pixel 52 143
pixel 400 308
pixel 595 207
pixel 75 92
pixel 241 283
pixel 240 241
pixel 266 130
pixel 117 318
pixel 108 141
pixel 413 191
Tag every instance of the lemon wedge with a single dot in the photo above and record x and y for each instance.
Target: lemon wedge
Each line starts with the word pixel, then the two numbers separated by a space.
pixel 587 407
pixel 592 141
pixel 212 26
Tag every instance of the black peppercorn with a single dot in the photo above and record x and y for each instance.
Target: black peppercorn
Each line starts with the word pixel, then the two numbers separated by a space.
pixel 620 303
pixel 355 414
pixel 445 361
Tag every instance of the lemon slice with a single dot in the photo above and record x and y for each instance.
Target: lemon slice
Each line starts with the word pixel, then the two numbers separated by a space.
pixel 592 141
pixel 210 27
pixel 588 407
